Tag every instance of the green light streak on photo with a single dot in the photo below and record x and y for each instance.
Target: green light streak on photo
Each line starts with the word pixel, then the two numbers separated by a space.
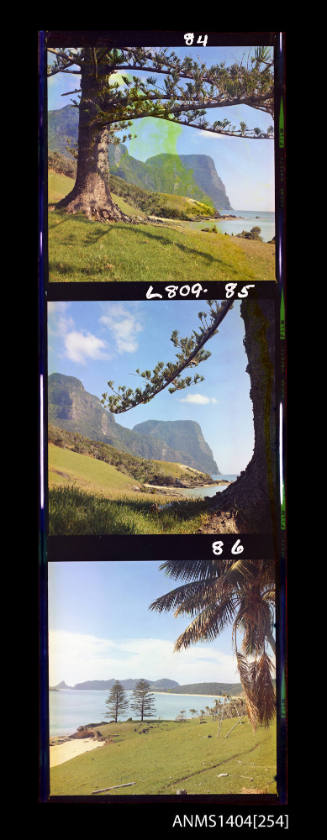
pixel 283 510
pixel 282 317
pixel 283 695
pixel 154 137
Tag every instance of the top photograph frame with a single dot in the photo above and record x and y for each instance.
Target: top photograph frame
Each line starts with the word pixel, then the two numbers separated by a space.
pixel 132 159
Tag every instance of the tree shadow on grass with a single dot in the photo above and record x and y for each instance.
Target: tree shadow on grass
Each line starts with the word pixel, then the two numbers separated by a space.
pixel 93 237
pixel 65 268
pixel 53 224
pixel 99 231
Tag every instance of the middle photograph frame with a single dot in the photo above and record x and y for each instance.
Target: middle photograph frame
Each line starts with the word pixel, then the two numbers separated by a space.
pixel 188 466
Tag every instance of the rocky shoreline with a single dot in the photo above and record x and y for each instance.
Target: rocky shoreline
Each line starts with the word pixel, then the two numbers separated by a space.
pixel 82 732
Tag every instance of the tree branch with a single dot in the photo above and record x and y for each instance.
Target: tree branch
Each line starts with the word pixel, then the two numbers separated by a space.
pixel 145 396
pixel 73 59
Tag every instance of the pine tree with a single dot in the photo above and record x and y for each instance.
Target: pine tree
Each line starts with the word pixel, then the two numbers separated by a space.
pixel 143 700
pixel 249 504
pixel 111 98
pixel 116 702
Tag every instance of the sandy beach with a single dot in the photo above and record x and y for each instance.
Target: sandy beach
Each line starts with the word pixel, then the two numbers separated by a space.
pixel 59 753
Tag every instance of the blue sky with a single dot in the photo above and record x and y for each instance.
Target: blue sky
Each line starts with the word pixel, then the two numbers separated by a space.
pixel 97 341
pixel 100 627
pixel 245 166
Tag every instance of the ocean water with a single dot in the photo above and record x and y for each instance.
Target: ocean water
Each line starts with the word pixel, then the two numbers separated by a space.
pixel 211 490
pixel 70 708
pixel 250 219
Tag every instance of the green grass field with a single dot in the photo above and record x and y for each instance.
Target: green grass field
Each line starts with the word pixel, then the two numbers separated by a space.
pixel 88 496
pixel 172 755
pixel 83 250
pixel 75 512
pixel 68 467
pixel 138 470
pixel 177 470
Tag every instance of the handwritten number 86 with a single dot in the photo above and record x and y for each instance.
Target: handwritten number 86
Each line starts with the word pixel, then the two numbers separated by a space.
pixel 217 547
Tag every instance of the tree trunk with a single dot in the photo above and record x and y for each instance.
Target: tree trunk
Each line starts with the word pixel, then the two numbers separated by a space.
pixel 251 501
pixel 91 193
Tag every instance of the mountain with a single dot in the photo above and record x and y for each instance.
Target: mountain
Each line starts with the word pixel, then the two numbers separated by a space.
pixel 208 688
pixel 71 407
pixel 205 174
pixel 102 685
pixel 62 126
pixel 194 176
pixel 171 686
pixel 174 433
pixel 191 175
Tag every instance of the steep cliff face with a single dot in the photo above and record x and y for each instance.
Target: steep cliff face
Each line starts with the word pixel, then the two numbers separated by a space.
pixel 207 178
pixel 182 435
pixel 71 407
pixel 194 176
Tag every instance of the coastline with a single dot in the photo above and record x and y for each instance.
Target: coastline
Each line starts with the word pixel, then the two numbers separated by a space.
pixel 173 491
pixel 70 748
pixel 177 694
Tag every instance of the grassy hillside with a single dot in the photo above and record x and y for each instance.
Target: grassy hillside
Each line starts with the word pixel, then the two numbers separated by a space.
pixel 137 468
pixel 136 201
pixel 163 173
pixel 159 203
pixel 163 757
pixel 82 250
pixel 88 496
pixel 76 512
pixel 68 467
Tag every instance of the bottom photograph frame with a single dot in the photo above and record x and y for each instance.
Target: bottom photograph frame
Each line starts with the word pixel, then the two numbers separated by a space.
pixel 130 642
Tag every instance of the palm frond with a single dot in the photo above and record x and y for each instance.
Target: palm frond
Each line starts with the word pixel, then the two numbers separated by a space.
pixel 207 625
pixel 193 569
pixel 255 618
pixel 237 591
pixel 193 591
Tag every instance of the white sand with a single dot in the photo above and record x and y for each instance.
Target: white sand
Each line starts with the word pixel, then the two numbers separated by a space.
pixel 59 753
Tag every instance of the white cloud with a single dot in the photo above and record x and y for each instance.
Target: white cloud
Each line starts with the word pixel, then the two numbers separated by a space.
pixel 75 657
pixel 82 346
pixel 78 345
pixel 123 326
pixel 58 322
pixel 198 399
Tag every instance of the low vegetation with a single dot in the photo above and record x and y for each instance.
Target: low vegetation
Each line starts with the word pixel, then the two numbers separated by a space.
pixel 139 469
pixel 139 201
pixel 162 757
pixel 160 204
pixel 254 233
pixel 207 688
pixel 83 250
pixel 75 512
